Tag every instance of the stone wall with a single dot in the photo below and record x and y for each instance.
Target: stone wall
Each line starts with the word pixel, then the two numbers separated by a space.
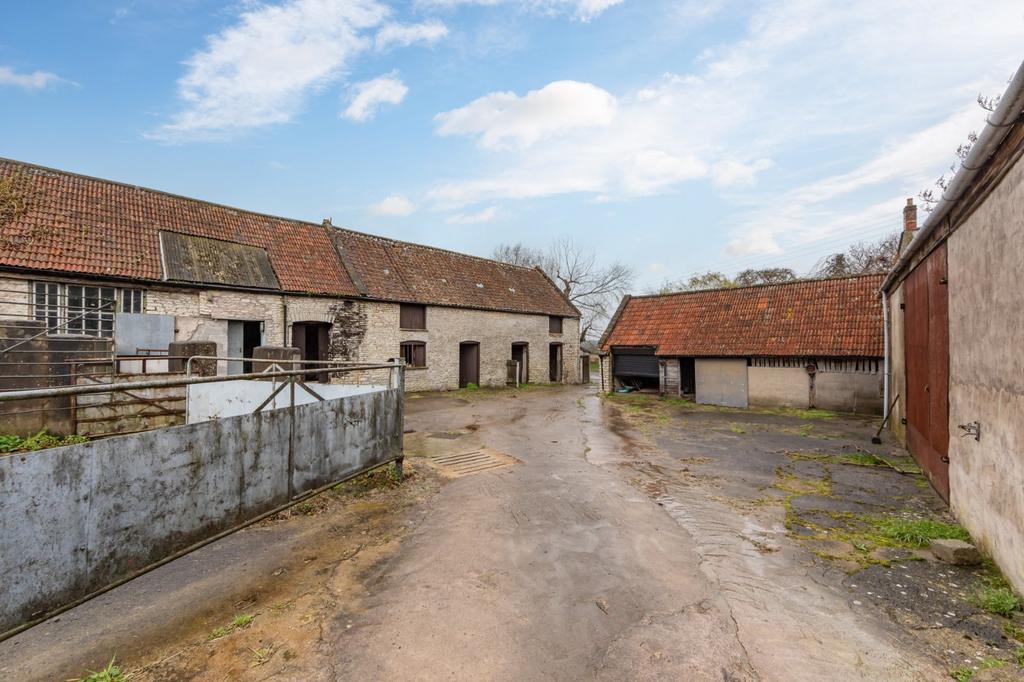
pixel 15 295
pixel 495 332
pixel 368 331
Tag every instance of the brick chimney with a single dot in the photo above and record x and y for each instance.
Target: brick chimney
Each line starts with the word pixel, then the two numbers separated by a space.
pixel 909 216
pixel 909 225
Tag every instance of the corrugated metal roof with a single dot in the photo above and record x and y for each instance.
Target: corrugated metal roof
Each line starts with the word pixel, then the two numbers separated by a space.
pixel 187 258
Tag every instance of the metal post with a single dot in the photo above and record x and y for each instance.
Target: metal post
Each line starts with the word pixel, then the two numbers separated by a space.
pixel 291 438
pixel 400 461
pixel 885 351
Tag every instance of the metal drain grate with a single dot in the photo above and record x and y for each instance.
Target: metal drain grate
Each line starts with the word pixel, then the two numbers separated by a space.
pixel 466 463
pixel 446 435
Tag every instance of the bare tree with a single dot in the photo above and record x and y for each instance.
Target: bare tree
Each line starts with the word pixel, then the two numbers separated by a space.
pixel 519 254
pixel 707 280
pixel 860 259
pixel 764 276
pixel 593 288
pixel 719 280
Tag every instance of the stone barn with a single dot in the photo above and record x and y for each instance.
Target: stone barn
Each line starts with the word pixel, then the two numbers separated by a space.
pixel 87 258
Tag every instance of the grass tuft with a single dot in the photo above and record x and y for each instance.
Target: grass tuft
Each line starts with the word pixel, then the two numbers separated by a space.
pixel 242 621
pixel 218 632
pixel 996 596
pixel 918 532
pixel 112 673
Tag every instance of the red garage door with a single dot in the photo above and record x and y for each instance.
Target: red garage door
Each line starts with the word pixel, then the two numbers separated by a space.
pixel 927 353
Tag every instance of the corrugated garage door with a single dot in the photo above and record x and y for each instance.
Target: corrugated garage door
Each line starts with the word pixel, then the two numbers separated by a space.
pixel 721 382
pixel 635 363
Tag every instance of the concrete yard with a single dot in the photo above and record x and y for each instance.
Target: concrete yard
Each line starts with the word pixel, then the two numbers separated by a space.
pixel 551 533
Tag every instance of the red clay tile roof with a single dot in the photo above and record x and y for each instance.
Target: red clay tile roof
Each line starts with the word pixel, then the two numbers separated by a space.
pixel 77 224
pixel 820 318
pixel 399 271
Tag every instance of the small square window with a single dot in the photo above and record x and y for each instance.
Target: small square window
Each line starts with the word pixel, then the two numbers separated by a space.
pixel 414 353
pixel 412 316
pixel 555 325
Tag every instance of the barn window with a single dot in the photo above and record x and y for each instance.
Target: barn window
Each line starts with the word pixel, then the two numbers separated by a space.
pixel 131 301
pixel 82 309
pixel 555 324
pixel 414 353
pixel 413 316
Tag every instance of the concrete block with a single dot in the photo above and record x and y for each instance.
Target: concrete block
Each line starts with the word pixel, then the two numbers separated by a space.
pixel 203 368
pixel 284 356
pixel 955 552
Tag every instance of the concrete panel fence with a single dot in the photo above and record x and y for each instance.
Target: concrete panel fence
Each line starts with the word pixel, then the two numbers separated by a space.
pixel 75 519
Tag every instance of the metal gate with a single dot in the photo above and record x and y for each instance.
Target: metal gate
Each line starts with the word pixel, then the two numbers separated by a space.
pixel 927 356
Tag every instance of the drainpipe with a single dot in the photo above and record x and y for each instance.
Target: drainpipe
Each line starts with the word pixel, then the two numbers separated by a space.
pixel 885 351
pixel 284 318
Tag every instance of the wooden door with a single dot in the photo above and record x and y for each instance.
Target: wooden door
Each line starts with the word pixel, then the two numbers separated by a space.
pixel 469 364
pixel 926 322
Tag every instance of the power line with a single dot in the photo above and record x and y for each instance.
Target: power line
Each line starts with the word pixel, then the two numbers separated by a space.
pixel 810 248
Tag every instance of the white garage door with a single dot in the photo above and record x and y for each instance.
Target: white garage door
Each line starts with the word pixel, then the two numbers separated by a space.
pixel 722 382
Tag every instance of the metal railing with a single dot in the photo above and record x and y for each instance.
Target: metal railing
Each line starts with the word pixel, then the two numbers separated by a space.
pixel 57 408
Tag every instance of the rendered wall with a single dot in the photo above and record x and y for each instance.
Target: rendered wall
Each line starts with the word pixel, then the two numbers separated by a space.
pixel 848 392
pixel 897 365
pixel 77 518
pixel 778 386
pixel 721 382
pixel 986 319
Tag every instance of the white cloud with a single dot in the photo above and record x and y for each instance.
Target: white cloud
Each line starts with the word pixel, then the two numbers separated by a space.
pixel 583 10
pixel 730 172
pixel 404 35
pixel 810 211
pixel 795 105
pixel 501 119
pixel 368 96
pixel 36 80
pixel 394 205
pixel 484 216
pixel 259 71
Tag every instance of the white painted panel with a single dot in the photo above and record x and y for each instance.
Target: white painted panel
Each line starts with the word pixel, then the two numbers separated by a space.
pixel 234 398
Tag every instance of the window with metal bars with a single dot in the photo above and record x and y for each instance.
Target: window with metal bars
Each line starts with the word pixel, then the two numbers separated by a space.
pixel 414 353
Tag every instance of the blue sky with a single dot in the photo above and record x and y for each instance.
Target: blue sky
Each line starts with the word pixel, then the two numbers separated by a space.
pixel 675 136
